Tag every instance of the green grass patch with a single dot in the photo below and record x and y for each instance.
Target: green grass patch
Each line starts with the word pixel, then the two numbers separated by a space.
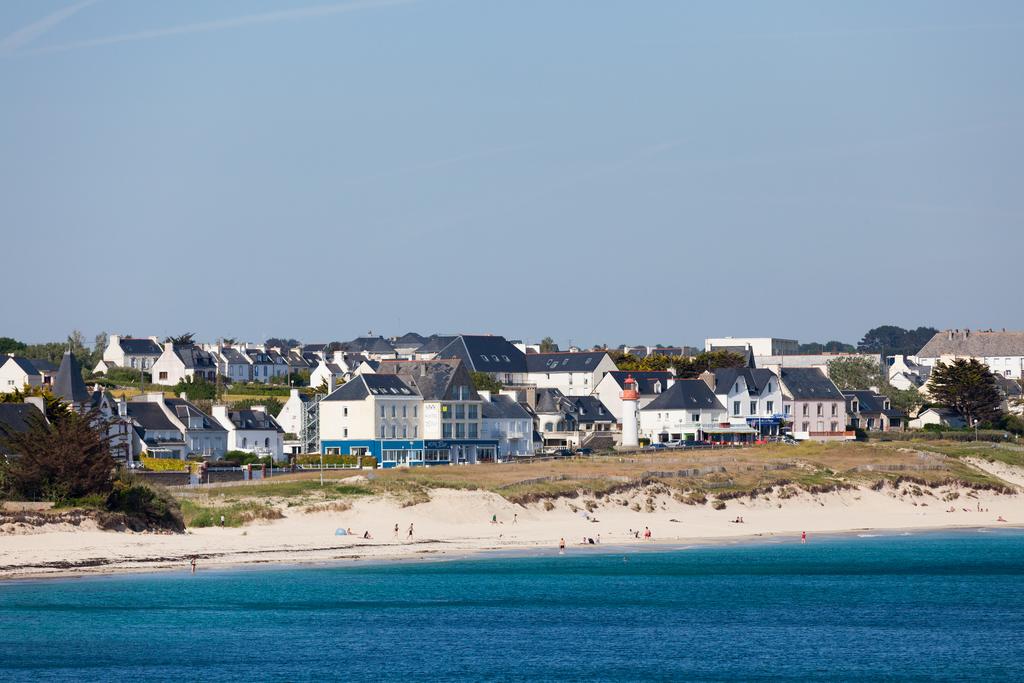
pixel 238 514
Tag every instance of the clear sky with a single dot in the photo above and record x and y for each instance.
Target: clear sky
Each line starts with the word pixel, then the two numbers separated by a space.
pixel 605 172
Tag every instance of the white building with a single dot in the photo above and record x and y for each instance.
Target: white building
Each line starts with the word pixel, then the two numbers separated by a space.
pixel 649 386
pixel 759 346
pixel 688 411
pixel 291 416
pixel 813 404
pixel 1002 351
pixel 508 423
pixel 136 353
pixel 177 363
pixel 751 396
pixel 574 374
pixel 16 373
pixel 174 427
pixel 251 430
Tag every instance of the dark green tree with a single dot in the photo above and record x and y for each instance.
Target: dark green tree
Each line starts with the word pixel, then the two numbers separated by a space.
pixel 855 373
pixel 892 339
pixel 182 339
pixel 9 345
pixel 547 345
pixel 484 382
pixel 59 460
pixel 968 387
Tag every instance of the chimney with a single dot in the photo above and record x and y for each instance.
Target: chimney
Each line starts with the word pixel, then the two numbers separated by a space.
pixel 114 340
pixel 221 411
pixel 183 396
pixel 950 335
pixel 258 409
pixel 122 407
pixel 294 394
pixel 670 381
pixel 484 394
pixel 38 402
pixel 168 347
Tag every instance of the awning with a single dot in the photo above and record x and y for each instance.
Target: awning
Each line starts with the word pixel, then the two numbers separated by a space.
pixel 731 429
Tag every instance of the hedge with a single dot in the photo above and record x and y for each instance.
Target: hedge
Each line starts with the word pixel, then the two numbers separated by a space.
pixel 163 464
pixel 368 460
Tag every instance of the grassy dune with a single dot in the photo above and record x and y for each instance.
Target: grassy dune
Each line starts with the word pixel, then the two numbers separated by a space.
pixel 689 475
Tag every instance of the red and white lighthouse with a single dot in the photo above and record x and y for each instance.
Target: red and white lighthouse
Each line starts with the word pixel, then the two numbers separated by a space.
pixel 629 397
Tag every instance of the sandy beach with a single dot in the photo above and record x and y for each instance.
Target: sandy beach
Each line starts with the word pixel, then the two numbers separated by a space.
pixel 457 523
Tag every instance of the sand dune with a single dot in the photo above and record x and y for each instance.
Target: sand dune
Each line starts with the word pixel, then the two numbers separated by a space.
pixel 455 523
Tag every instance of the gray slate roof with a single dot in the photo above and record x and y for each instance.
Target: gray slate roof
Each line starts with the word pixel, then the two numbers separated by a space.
pixel 361 386
pixel 645 380
pixel 973 343
pixel 27 366
pixel 435 380
pixel 194 357
pixel 756 378
pixel 486 353
pixel 584 361
pixel 15 418
pixel 253 419
pixel 502 407
pixel 184 409
pixel 686 394
pixel 149 416
pixel 68 383
pixel 435 343
pixel 809 384
pixel 140 347
pixel 376 345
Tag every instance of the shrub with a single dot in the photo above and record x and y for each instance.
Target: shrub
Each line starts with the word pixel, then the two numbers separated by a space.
pixel 163 464
pixel 143 506
pixel 196 388
pixel 314 459
pixel 718 504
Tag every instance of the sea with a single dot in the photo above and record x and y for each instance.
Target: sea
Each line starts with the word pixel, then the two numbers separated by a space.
pixel 943 606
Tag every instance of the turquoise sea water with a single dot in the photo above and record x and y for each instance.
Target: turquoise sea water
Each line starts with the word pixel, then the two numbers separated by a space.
pixel 920 607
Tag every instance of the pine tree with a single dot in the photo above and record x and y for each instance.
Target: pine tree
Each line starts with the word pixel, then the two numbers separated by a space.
pixel 967 386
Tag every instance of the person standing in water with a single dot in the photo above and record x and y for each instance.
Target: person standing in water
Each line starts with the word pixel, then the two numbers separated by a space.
pixel 193 564
pixel 561 546
pixel 803 537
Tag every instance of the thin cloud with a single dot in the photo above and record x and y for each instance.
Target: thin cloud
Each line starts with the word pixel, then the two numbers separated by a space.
pixel 26 35
pixel 221 24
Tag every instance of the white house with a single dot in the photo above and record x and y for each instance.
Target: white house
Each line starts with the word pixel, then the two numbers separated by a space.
pixel 906 373
pixel 16 373
pixel 174 427
pixel 944 417
pixel 378 415
pixel 574 374
pixel 689 411
pixel 251 430
pixel 813 404
pixel 649 385
pixel 291 416
pixel 759 346
pixel 178 362
pixel 751 396
pixel 1001 351
pixel 135 353
pixel 508 423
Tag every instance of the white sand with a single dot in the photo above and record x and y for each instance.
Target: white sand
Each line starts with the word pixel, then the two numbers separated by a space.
pixel 456 523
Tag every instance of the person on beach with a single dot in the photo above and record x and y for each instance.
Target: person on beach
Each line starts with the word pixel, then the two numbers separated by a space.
pixel 515 518
pixel 193 564
pixel 803 537
pixel 494 519
pixel 561 546
pixel 647 533
pixel 222 520
pixel 410 531
pixel 396 530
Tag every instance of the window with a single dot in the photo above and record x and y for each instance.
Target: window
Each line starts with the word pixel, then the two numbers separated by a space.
pixel 835 410
pixel 446 430
pixel 807 410
pixel 266 442
pixel 405 432
pixel 548 426
pixel 753 407
pixel 382 433
pixel 770 407
pixel 806 427
pixel 394 431
pixel 162 375
pixel 394 410
pixel 405 411
pixel 471 412
pixel 383 410
pixel 735 407
pixel 346 432
pixel 473 433
pixel 786 409
pixel 820 410
pixel 835 426
pixel 695 417
pixel 460 430
pixel 415 411
pixel 415 431
pixel 460 411
pixel 344 411
pixel 245 442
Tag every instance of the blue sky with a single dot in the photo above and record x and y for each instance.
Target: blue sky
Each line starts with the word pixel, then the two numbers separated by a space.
pixel 598 171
